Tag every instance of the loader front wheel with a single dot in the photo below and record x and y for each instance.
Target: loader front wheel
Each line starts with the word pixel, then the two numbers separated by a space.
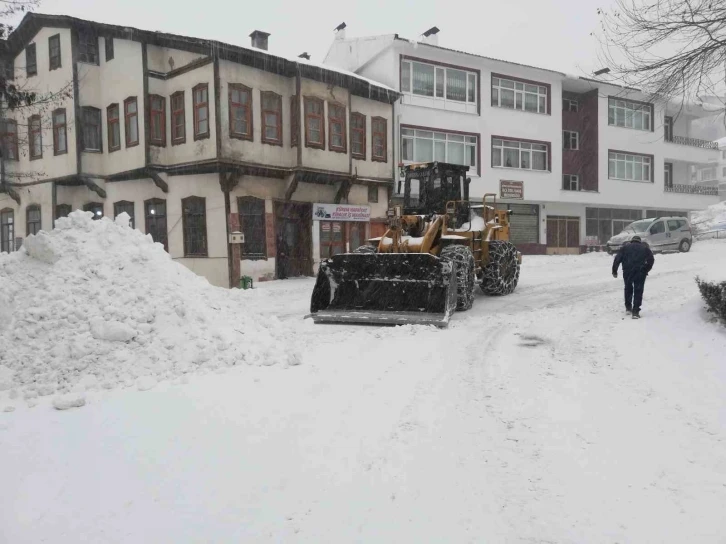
pixel 501 274
pixel 366 250
pixel 462 256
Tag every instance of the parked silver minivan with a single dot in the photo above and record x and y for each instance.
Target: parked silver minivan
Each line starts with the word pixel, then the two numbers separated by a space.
pixel 660 234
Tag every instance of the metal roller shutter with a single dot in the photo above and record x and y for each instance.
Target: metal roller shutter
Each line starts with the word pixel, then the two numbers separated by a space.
pixel 524 223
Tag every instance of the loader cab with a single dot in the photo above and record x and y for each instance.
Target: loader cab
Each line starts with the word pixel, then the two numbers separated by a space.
pixel 427 187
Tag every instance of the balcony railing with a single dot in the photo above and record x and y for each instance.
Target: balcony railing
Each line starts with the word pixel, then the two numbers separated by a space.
pixel 692 189
pixel 692 142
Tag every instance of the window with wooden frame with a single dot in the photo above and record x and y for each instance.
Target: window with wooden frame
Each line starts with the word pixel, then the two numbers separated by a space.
pixel 91 135
pixel 157 121
pixel 113 126
pixel 373 193
pixel 32 219
pixel 271 117
pixel 60 138
pixel 240 112
pixel 108 42
pixel 54 52
pixel 88 47
pixel 314 123
pixel 7 230
pixel 336 128
pixel 200 95
pixel 131 121
pixel 62 210
pixel 379 139
pixel 358 136
pixel 155 214
pixel 252 223
pixel 31 63
pixel 35 137
pixel 294 120
pixel 178 118
pixel 124 206
pixel 96 208
pixel 194 225
pixel 9 139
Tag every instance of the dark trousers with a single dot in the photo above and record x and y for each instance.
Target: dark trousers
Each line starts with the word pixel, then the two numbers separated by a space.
pixel 634 285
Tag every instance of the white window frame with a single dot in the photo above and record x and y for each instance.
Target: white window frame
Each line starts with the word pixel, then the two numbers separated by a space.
pixel 440 80
pixel 572 105
pixel 641 162
pixel 439 139
pixel 571 178
pixel 572 137
pixel 499 145
pixel 625 114
pixel 520 92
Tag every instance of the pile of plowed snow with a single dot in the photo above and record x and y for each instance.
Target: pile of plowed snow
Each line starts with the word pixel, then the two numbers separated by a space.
pixel 97 305
pixel 706 220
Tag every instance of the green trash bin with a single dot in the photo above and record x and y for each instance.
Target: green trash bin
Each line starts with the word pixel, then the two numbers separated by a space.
pixel 245 282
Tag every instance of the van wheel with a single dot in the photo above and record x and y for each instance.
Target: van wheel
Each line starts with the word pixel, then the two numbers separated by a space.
pixel 685 246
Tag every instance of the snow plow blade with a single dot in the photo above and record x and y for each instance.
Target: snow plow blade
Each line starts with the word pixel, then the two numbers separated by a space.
pixel 385 288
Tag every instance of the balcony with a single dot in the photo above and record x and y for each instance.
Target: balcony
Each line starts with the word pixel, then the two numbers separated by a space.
pixel 692 189
pixel 692 142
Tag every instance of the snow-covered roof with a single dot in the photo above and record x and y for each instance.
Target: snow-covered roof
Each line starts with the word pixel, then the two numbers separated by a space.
pixel 257 58
pixel 421 43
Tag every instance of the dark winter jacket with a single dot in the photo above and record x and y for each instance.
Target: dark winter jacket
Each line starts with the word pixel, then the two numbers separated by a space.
pixel 635 257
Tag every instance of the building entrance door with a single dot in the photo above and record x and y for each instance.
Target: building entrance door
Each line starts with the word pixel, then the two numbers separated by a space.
pixel 563 235
pixel 293 226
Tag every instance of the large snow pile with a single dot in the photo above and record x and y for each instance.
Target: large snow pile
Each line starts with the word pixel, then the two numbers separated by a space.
pixel 97 304
pixel 706 220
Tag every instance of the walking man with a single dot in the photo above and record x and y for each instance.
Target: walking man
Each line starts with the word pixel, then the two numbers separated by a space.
pixel 637 260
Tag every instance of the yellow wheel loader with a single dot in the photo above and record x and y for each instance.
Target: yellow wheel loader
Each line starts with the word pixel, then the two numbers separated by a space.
pixel 437 247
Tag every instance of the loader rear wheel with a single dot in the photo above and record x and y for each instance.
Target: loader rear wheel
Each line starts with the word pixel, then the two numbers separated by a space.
pixel 366 249
pixel 501 274
pixel 462 256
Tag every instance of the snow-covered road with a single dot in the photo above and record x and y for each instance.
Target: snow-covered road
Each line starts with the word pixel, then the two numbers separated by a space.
pixel 544 416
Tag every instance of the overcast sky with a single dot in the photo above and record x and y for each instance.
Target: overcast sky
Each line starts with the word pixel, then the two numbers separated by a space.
pixel 551 34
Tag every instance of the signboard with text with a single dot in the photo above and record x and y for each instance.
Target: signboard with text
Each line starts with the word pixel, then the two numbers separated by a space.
pixel 341 212
pixel 512 190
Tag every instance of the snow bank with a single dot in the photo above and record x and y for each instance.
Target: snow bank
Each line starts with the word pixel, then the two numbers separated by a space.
pixel 706 220
pixel 97 305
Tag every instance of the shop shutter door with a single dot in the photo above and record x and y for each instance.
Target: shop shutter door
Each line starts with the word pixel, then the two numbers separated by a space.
pixel 524 223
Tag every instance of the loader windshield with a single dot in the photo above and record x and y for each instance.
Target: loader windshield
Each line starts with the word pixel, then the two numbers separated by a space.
pixel 427 190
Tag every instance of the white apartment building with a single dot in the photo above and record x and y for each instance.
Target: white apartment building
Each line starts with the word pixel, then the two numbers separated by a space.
pixel 195 139
pixel 576 159
pixel 716 170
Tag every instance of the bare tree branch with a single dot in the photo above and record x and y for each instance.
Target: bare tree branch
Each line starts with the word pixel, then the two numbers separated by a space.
pixel 671 49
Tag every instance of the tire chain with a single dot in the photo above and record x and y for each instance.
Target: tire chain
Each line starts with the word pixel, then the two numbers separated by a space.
pixel 493 283
pixel 464 260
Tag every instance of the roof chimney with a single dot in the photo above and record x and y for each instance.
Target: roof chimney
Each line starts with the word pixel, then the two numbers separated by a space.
pixel 304 56
pixel 431 36
pixel 259 39
pixel 340 31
